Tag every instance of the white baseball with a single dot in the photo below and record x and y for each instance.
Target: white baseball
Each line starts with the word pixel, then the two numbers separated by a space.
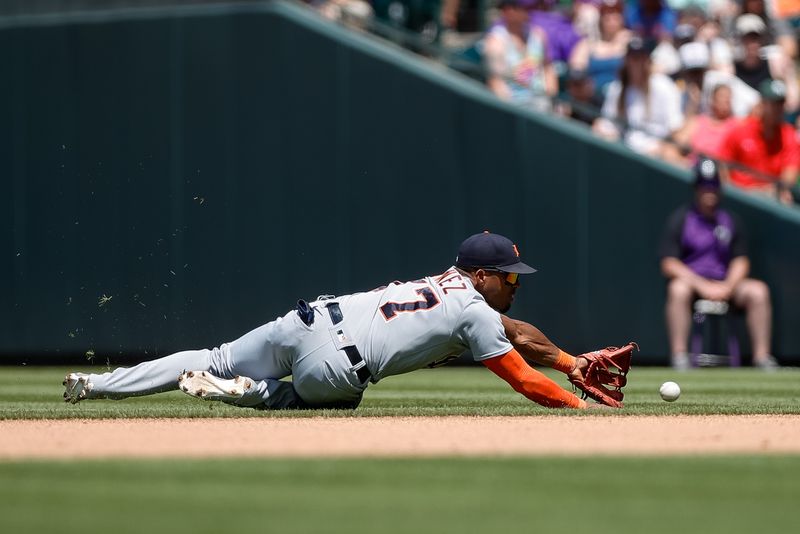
pixel 670 391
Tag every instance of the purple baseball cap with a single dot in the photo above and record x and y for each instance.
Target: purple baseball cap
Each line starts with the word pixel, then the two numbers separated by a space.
pixel 491 251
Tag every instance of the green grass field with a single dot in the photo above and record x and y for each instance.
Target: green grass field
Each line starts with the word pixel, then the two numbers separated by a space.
pixel 731 494
pixel 35 393
pixel 543 495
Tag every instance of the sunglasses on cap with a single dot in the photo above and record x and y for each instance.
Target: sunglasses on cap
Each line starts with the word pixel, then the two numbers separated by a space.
pixel 511 279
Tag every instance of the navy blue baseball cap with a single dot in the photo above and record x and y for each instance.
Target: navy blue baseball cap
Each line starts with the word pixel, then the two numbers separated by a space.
pixel 706 175
pixel 491 251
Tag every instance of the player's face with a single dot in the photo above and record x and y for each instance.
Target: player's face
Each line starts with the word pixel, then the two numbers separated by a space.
pixel 497 288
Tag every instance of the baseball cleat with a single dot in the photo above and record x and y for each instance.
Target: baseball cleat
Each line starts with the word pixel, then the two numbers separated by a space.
pixel 76 386
pixel 204 385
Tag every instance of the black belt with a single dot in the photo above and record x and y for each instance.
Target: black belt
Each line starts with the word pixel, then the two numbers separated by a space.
pixel 353 355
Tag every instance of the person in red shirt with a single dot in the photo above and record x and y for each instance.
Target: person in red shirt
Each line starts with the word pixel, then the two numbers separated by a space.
pixel 766 144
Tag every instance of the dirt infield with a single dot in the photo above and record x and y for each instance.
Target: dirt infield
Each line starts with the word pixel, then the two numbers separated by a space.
pixel 412 436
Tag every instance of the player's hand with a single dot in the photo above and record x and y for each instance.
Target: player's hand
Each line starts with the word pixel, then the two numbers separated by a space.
pixel 577 375
pixel 606 374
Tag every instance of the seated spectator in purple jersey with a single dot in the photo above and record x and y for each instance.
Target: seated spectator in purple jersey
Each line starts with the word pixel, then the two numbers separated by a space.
pixel 561 34
pixel 651 19
pixel 704 255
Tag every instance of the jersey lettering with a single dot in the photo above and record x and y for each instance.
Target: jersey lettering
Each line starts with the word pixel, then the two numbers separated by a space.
pixel 451 280
pixel 428 301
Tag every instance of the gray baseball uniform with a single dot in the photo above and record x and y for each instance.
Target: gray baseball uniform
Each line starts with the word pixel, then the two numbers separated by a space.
pixel 395 329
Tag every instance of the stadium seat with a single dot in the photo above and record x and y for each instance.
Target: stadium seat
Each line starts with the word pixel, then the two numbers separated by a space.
pixel 713 321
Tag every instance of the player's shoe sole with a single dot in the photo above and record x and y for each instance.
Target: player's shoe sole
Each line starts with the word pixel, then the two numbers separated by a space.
pixel 76 387
pixel 204 385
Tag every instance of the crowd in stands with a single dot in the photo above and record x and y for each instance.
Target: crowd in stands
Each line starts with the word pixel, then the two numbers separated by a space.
pixel 671 79
pixel 675 80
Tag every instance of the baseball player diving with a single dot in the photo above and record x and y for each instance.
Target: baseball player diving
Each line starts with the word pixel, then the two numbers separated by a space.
pixel 334 347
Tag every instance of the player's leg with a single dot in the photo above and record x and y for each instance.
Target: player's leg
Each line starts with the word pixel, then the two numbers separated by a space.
pixel 322 375
pixel 326 379
pixel 250 374
pixel 267 394
pixel 678 312
pixel 266 352
pixel 314 385
pixel 753 296
pixel 155 376
pixel 254 355
pixel 320 372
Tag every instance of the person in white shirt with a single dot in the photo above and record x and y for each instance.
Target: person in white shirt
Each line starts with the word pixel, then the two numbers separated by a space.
pixel 641 108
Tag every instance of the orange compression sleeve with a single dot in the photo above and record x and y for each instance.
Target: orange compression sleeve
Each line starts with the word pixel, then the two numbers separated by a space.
pixel 565 362
pixel 526 380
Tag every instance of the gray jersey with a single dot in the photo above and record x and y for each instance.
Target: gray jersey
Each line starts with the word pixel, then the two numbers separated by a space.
pixel 397 328
pixel 422 323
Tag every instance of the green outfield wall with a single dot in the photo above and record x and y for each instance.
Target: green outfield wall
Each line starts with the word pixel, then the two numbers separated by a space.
pixel 176 177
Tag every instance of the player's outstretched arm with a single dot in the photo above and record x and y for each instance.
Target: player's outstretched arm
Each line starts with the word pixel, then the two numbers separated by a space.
pixel 534 346
pixel 526 380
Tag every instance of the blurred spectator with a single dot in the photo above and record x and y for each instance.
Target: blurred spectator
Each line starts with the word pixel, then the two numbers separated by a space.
pixel 758 64
pixel 684 33
pixel 518 68
pixel 788 10
pixel 704 255
pixel 752 66
pixel 778 31
pixel 643 108
pixel 462 16
pixel 561 35
pixel 602 58
pixel 704 133
pixel 651 19
pixel 694 58
pixel 766 144
pixel 585 17
pixel 681 5
pixel 697 81
pixel 694 21
pixel 582 103
pixel 355 13
pixel 655 22
pixel 419 16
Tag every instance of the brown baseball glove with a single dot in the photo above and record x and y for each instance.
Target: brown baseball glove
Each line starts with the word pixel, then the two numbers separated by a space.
pixel 602 374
